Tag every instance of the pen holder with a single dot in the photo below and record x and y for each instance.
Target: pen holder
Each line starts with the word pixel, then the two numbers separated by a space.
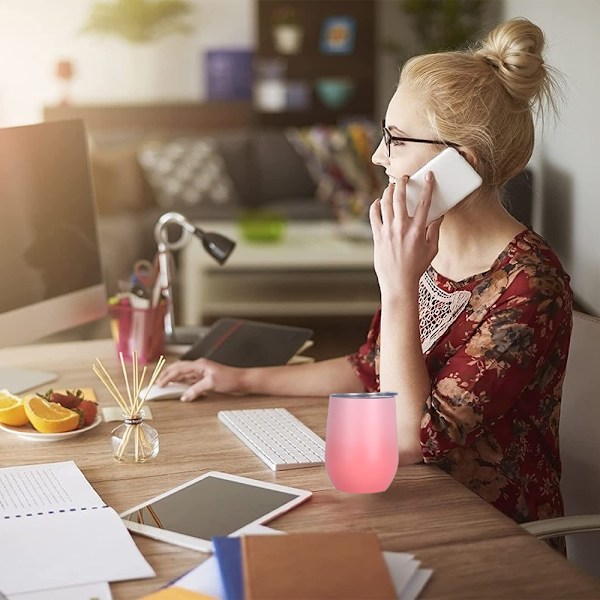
pixel 139 330
pixel 133 440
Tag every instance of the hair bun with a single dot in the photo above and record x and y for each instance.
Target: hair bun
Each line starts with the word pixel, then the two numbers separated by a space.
pixel 514 51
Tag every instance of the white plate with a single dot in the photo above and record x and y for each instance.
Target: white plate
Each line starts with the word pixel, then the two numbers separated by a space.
pixel 29 433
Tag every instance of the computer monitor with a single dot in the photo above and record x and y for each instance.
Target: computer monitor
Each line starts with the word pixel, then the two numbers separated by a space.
pixel 51 277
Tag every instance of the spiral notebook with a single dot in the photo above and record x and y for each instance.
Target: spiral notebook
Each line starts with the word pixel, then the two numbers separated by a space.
pixel 51 517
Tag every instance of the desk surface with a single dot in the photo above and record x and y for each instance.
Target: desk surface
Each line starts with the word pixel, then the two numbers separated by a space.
pixel 474 550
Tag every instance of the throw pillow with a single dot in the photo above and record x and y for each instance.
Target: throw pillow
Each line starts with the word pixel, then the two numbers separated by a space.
pixel 187 173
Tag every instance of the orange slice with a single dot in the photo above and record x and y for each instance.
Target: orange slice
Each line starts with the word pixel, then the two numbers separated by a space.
pixel 12 410
pixel 50 417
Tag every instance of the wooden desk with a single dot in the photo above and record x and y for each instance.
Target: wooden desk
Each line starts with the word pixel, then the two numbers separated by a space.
pixel 474 550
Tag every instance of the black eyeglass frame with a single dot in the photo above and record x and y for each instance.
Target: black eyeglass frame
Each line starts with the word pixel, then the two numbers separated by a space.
pixel 388 138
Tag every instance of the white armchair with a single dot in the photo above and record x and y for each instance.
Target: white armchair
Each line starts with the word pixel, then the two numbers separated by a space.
pixel 580 450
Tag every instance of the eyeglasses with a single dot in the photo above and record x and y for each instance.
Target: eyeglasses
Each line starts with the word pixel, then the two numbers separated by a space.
pixel 388 138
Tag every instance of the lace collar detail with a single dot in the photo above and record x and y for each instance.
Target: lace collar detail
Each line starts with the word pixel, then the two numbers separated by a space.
pixel 438 309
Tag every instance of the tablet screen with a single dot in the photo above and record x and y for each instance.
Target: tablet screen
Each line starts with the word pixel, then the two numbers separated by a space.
pixel 214 505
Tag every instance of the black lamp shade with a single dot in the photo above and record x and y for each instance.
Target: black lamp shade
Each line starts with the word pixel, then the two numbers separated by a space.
pixel 217 245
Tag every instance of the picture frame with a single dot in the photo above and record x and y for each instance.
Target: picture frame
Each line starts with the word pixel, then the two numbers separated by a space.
pixel 338 34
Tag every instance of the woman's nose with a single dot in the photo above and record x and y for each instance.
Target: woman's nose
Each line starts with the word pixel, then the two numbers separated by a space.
pixel 380 156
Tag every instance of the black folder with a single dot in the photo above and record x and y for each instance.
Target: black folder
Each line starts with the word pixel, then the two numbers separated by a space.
pixel 244 343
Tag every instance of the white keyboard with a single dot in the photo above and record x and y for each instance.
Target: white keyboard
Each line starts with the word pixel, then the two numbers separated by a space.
pixel 278 438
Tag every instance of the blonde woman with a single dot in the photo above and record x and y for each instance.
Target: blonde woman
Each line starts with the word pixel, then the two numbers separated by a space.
pixel 475 319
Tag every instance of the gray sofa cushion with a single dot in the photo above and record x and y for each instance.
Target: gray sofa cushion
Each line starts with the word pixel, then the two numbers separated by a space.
pixel 281 173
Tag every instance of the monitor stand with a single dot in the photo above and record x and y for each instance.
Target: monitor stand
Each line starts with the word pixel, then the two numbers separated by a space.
pixel 17 380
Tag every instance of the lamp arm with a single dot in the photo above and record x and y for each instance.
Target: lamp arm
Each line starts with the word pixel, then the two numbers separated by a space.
pixel 160 230
pixel 217 245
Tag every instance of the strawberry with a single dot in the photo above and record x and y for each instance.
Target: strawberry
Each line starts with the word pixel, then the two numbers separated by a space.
pixel 88 411
pixel 68 400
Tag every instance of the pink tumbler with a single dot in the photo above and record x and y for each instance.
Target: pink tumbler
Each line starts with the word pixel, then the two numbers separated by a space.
pixel 361 447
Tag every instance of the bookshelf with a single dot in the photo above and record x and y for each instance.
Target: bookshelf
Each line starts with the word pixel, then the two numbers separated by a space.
pixel 316 59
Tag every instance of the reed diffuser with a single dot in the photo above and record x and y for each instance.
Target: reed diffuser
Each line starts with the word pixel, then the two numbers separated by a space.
pixel 133 440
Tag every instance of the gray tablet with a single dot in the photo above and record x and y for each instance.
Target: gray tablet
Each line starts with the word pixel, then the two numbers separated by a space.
pixel 214 504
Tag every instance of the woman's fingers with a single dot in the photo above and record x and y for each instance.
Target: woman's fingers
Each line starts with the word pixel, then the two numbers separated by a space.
pixel 182 370
pixel 399 198
pixel 195 391
pixel 387 210
pixel 375 215
pixel 424 204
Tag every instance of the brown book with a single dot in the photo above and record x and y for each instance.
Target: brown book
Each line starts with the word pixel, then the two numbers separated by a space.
pixel 311 566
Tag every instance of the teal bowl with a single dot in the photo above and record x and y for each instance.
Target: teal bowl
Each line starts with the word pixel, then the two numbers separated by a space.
pixel 335 92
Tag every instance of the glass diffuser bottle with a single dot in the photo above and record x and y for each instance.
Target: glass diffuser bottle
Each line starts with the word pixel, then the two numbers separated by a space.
pixel 134 440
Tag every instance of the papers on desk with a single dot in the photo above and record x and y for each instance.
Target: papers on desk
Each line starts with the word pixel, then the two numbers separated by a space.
pixel 407 577
pixel 89 591
pixel 55 531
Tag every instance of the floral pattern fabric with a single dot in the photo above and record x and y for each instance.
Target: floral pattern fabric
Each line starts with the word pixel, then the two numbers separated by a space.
pixel 491 420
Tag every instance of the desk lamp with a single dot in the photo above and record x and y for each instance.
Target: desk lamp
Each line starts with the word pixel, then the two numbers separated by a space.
pixel 217 245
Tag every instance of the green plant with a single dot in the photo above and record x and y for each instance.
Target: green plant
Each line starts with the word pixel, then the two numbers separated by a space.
pixel 139 21
pixel 440 24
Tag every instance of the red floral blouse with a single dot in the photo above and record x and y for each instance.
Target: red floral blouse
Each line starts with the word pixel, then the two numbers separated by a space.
pixel 491 420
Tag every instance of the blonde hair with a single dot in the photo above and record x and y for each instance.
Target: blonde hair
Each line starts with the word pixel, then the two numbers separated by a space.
pixel 484 98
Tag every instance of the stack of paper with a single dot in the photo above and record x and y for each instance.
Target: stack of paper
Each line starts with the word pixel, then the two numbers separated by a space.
pixel 55 531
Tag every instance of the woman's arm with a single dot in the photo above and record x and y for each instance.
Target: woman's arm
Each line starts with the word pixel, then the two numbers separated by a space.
pixel 309 379
pixel 404 248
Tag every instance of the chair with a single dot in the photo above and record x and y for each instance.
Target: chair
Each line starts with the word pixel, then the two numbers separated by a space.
pixel 580 450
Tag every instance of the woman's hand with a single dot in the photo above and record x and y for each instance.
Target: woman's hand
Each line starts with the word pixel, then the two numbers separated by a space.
pixel 204 376
pixel 404 246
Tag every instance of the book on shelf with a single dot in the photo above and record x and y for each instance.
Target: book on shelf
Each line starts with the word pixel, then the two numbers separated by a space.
pixel 51 517
pixel 245 343
pixel 304 566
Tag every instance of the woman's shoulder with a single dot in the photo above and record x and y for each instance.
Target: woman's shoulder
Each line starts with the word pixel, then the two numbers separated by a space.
pixel 532 253
pixel 528 272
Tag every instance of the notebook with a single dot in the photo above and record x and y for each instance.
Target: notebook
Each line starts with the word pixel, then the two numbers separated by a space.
pixel 303 566
pixel 244 343
pixel 51 517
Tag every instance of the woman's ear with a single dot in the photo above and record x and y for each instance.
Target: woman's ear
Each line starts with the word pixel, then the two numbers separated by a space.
pixel 469 156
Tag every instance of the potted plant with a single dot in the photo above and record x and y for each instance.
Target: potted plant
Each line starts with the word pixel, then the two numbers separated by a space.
pixel 139 21
pixel 287 31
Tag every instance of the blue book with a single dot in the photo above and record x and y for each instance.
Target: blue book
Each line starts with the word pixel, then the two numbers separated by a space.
pixel 228 552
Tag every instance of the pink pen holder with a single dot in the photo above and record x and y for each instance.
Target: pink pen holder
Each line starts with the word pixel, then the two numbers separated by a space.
pixel 138 330
pixel 361 447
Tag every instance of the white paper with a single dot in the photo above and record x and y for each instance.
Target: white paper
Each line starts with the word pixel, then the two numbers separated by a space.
pixel 52 517
pixel 401 568
pixel 205 578
pixel 90 591
pixel 42 488
pixel 416 584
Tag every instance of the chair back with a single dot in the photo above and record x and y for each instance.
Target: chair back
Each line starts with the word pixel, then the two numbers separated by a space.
pixel 580 438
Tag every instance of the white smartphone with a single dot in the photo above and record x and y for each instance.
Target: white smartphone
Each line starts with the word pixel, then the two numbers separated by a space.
pixel 455 179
